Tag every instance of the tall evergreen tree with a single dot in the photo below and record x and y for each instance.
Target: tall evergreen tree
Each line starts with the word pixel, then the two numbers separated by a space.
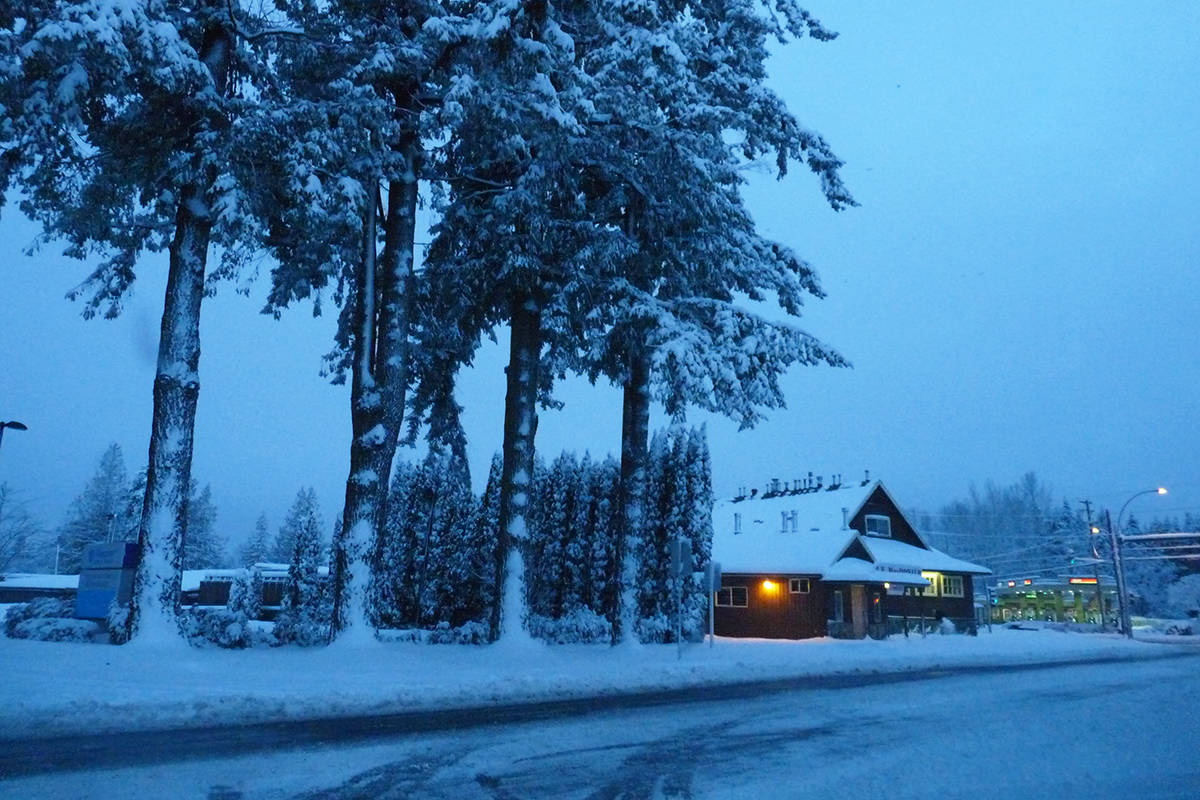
pixel 303 521
pixel 119 129
pixel 98 514
pixel 258 547
pixel 360 85
pixel 203 547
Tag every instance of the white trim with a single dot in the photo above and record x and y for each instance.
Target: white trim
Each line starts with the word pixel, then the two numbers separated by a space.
pixel 799 585
pixel 868 518
pixel 729 592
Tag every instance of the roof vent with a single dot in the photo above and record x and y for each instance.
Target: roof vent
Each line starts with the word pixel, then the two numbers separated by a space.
pixel 866 477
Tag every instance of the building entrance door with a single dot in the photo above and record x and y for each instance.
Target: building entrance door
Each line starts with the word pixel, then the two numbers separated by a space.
pixel 858 610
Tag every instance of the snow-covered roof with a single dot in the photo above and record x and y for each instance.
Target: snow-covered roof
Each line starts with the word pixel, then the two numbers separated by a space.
pixel 808 533
pixel 762 546
pixel 887 551
pixel 29 580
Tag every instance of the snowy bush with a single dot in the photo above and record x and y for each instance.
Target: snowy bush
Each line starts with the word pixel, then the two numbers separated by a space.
pixel 117 623
pixel 220 627
pixel 580 626
pixel 474 632
pixel 301 627
pixel 48 619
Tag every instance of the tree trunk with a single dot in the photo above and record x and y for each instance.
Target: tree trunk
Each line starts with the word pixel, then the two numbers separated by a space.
pixel 520 426
pixel 154 606
pixel 379 378
pixel 635 434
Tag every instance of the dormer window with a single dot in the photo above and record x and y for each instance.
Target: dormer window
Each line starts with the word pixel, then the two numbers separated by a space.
pixel 878 525
pixel 737 523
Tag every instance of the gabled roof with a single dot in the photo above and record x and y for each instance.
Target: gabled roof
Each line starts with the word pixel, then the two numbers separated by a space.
pixel 748 537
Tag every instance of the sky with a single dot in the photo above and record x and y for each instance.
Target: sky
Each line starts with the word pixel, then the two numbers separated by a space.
pixel 1017 290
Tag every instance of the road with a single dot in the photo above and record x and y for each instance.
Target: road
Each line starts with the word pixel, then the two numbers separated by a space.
pixel 1095 730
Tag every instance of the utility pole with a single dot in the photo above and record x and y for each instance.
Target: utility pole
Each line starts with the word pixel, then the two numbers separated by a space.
pixel 1122 595
pixel 1094 531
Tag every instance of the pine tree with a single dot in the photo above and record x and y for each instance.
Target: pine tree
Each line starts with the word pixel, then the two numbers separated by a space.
pixel 98 514
pixel 605 533
pixel 203 547
pixel 489 555
pixel 307 602
pixel 303 521
pixel 258 547
pixel 120 129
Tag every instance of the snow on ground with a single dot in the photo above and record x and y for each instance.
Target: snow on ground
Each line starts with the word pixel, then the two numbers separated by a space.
pixel 58 688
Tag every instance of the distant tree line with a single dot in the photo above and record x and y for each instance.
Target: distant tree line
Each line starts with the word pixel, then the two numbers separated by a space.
pixel 1018 530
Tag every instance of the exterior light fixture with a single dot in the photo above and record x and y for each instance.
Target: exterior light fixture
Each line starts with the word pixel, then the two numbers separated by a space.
pixel 769 586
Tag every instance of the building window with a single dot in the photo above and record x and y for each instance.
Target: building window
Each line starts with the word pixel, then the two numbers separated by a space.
pixel 799 585
pixel 795 517
pixel 737 523
pixel 878 525
pixel 733 597
pixel 952 586
pixel 783 522
pixel 838 607
pixel 932 589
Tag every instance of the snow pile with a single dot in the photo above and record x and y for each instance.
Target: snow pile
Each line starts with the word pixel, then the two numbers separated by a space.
pixel 57 688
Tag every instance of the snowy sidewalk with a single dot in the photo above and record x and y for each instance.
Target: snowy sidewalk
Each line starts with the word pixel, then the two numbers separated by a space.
pixel 59 688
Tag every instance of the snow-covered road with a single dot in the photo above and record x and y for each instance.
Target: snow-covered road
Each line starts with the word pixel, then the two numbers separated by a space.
pixel 1095 731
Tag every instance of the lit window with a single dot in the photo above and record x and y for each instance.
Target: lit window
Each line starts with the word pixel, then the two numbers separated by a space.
pixel 932 589
pixel 952 586
pixel 799 585
pixel 732 597
pixel 878 525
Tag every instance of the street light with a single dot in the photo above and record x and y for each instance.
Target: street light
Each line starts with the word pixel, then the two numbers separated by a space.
pixel 16 426
pixel 1118 567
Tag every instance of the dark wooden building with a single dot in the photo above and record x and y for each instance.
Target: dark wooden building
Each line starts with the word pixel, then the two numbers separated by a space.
pixel 802 559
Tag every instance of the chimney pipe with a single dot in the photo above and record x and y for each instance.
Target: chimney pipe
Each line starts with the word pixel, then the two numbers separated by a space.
pixel 845 518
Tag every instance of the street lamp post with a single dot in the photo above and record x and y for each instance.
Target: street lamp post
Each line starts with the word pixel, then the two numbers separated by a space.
pixel 1118 566
pixel 16 426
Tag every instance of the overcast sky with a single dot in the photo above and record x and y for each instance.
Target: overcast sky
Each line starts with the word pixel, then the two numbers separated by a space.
pixel 1018 290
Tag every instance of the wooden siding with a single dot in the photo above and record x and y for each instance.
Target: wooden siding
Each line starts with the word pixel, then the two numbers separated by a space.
pixel 773 614
pixel 929 607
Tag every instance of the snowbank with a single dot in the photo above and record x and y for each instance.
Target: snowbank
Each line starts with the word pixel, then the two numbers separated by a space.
pixel 58 688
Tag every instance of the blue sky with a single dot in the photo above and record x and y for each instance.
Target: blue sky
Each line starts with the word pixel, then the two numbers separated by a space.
pixel 1017 291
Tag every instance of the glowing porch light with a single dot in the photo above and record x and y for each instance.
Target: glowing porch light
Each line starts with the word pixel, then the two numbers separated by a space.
pixel 769 586
pixel 1162 490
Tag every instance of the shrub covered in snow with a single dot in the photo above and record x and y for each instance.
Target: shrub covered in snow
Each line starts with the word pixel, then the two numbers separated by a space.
pixel 48 619
pixel 221 627
pixel 581 625
pixel 117 623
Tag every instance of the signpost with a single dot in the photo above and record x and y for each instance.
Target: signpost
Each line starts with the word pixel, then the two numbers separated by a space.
pixel 712 582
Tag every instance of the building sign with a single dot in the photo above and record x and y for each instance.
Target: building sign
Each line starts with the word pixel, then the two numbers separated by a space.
pixel 1091 581
pixel 896 569
pixel 106 576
